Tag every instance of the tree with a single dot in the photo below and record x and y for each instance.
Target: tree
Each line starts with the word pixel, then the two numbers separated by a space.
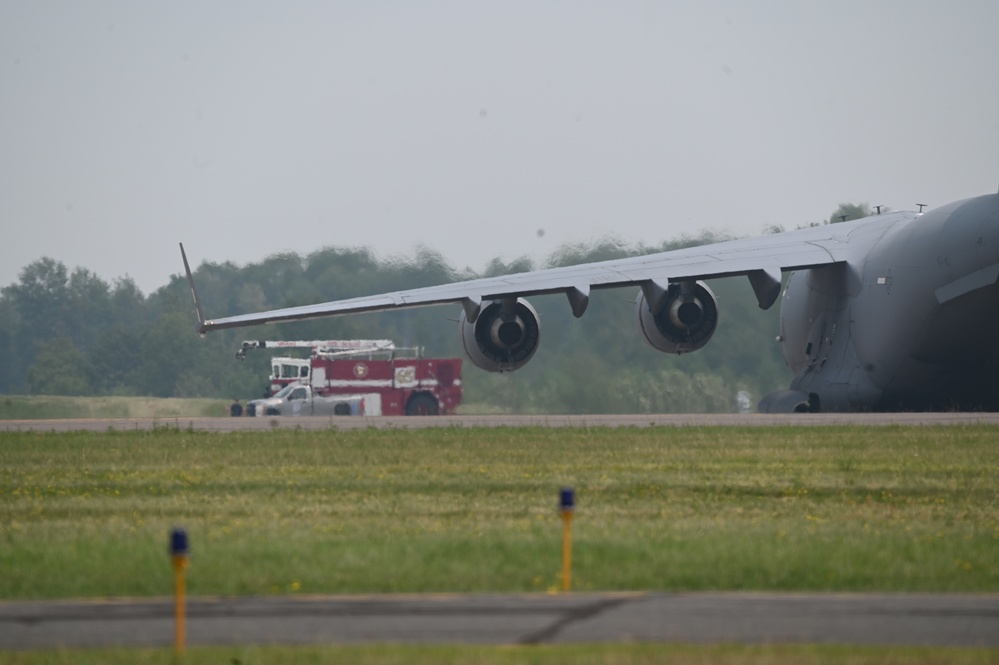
pixel 849 211
pixel 116 360
pixel 40 300
pixel 128 305
pixel 60 368
pixel 10 379
pixel 89 308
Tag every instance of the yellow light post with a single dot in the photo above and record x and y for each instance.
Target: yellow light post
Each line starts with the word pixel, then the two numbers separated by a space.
pixel 179 552
pixel 567 504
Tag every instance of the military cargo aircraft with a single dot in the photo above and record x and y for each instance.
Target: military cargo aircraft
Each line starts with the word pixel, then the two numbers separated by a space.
pixel 897 311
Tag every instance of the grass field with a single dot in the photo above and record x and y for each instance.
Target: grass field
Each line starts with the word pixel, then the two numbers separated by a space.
pixel 44 407
pixel 293 512
pixel 39 407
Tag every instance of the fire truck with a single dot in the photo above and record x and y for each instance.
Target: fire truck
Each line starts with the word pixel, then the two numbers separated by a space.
pixel 382 378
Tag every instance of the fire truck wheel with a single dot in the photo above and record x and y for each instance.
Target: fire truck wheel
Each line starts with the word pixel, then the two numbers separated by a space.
pixel 422 404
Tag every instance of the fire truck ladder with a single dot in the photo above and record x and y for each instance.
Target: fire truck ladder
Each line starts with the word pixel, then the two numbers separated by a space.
pixel 329 346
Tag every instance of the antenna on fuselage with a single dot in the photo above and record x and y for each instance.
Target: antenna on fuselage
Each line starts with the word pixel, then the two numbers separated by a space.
pixel 921 206
pixel 878 208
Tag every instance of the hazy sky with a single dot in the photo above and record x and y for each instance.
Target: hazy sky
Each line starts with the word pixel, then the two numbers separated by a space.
pixel 479 130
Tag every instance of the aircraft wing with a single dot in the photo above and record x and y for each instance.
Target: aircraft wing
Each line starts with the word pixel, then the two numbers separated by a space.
pixel 762 259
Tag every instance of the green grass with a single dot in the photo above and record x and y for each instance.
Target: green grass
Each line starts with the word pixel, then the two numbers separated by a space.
pixel 590 654
pixel 43 407
pixel 452 510
pixel 40 407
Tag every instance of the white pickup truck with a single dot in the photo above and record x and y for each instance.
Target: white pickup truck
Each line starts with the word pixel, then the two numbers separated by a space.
pixel 301 400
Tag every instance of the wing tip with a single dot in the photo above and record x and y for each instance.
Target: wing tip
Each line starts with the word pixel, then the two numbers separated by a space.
pixel 203 326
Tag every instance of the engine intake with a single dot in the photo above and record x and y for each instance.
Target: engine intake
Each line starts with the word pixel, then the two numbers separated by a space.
pixel 685 320
pixel 503 337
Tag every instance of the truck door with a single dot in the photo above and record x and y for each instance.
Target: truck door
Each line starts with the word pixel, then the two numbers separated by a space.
pixel 297 401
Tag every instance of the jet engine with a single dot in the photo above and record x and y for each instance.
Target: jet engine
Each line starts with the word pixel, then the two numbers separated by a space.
pixel 680 318
pixel 501 336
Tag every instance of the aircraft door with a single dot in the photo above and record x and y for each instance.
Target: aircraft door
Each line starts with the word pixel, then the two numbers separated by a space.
pixel 812 315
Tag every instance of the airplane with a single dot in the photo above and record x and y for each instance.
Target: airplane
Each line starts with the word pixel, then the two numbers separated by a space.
pixel 898 311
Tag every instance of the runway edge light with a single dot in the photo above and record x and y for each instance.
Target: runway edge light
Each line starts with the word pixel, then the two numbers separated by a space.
pixel 567 499
pixel 567 504
pixel 179 552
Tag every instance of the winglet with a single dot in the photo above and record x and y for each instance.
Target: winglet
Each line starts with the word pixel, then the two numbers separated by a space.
pixel 202 328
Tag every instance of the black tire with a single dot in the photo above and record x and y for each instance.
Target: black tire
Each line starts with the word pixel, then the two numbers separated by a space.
pixel 422 404
pixel 271 411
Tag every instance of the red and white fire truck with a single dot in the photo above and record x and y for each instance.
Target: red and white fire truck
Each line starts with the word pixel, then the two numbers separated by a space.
pixel 384 379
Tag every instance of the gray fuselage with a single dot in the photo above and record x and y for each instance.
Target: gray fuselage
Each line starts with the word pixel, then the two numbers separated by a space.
pixel 909 323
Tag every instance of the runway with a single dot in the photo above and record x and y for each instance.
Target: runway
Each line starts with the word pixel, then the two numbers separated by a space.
pixel 412 422
pixel 743 618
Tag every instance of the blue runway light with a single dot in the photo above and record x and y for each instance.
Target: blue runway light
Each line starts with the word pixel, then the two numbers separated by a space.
pixel 567 499
pixel 179 550
pixel 178 543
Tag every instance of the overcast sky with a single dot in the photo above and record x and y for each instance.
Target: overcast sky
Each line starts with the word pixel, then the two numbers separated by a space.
pixel 479 130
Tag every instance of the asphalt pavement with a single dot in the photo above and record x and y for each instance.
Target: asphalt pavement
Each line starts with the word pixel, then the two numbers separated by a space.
pixel 743 618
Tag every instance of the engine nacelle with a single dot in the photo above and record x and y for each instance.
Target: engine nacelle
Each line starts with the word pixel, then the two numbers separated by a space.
pixel 503 337
pixel 685 321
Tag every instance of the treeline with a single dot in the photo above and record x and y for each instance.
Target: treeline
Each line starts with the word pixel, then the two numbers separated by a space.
pixel 71 333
